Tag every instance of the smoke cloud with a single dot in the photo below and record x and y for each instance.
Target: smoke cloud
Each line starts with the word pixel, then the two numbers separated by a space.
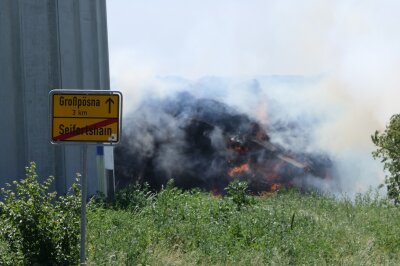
pixel 325 72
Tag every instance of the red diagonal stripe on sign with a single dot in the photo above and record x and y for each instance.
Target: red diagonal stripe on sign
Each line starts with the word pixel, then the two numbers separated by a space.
pixel 87 128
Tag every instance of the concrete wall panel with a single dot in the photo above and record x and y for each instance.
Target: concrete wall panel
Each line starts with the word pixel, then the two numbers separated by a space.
pixel 45 45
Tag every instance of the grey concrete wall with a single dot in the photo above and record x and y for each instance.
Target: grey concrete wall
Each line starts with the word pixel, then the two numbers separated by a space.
pixel 45 45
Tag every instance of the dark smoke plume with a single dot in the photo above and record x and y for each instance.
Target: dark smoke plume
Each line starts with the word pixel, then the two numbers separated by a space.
pixel 204 143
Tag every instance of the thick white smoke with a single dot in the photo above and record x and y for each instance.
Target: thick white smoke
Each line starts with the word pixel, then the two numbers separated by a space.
pixel 335 63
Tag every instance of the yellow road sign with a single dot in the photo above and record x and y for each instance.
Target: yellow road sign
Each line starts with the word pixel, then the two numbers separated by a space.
pixel 85 116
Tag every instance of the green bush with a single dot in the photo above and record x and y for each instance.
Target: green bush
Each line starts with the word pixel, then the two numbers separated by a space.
pixel 238 191
pixel 37 226
pixel 388 143
pixel 133 197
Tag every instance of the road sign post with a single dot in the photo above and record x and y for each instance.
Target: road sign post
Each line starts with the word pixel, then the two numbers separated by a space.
pixel 85 117
pixel 82 252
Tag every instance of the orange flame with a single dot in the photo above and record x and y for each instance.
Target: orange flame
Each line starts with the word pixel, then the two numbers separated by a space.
pixel 239 169
pixel 275 186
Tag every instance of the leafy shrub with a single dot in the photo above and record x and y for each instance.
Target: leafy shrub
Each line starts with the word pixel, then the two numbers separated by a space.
pixel 238 192
pixel 133 197
pixel 388 143
pixel 38 227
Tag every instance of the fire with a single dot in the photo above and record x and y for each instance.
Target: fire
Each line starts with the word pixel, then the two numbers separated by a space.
pixel 239 169
pixel 275 186
pixel 222 144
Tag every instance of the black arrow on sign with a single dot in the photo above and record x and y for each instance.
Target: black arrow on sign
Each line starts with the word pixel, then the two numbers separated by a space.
pixel 109 101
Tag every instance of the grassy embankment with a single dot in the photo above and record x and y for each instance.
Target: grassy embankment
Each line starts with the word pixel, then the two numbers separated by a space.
pixel 185 228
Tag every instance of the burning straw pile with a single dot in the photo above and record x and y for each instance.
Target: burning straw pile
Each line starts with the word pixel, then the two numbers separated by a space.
pixel 205 143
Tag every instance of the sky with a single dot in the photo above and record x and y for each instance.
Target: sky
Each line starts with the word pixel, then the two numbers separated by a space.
pixel 351 45
pixel 226 37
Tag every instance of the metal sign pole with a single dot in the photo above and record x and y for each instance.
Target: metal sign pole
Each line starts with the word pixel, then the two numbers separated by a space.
pixel 88 117
pixel 83 205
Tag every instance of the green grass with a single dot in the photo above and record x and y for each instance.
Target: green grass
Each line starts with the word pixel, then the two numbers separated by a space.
pixel 186 228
